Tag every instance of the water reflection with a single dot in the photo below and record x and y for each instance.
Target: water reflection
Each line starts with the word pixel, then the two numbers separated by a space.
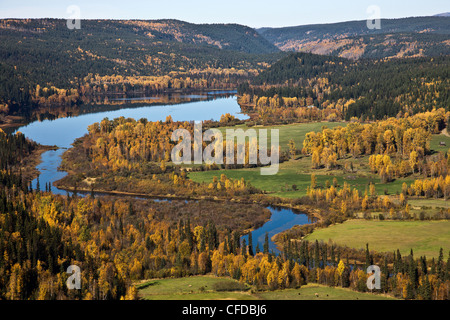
pixel 62 132
pixel 282 219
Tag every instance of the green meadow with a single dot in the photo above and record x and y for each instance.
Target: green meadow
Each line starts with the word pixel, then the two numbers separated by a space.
pixel 296 131
pixel 204 288
pixel 309 291
pixel 436 140
pixel 424 237
pixel 294 176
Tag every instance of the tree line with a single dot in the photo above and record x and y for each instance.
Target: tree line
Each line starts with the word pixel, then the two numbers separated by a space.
pixel 366 89
pixel 397 147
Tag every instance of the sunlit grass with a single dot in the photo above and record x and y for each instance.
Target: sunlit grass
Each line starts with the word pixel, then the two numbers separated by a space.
pixel 424 237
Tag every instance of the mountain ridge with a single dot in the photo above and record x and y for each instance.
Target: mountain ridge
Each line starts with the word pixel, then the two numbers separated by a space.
pixel 444 14
pixel 403 37
pixel 121 56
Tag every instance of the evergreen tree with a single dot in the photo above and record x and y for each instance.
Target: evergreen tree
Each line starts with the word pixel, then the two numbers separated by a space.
pixel 202 243
pixel 130 207
pixel 433 267
pixel 413 273
pixel 345 278
pixel 423 265
pixel 250 244
pixel 266 243
pixel 385 279
pixel 410 291
pixel 316 255
pixel 244 248
pixel 447 276
pixel 236 239
pixel 400 267
pixel 324 255
pixel 332 256
pixel 367 257
pixel 112 209
pixel 440 267
pixel 226 249
pixel 426 289
pixel 231 244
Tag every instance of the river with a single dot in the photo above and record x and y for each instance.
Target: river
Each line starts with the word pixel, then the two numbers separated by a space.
pixel 62 132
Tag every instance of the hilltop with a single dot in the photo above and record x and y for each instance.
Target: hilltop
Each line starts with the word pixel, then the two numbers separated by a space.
pixel 367 87
pixel 118 56
pixel 406 37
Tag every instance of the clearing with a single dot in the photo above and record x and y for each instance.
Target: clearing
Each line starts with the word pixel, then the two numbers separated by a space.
pixel 204 288
pixel 424 237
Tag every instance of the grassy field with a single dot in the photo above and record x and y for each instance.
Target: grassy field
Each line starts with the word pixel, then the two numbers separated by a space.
pixel 429 203
pixel 202 288
pixel 298 172
pixel 189 288
pixel 296 131
pixel 436 140
pixel 424 237
pixel 308 292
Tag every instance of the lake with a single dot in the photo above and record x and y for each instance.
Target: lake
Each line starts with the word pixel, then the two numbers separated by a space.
pixel 62 132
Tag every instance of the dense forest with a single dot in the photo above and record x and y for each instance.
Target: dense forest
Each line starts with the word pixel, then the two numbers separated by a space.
pixel 371 89
pixel 13 149
pixel 112 240
pixel 404 139
pixel 111 226
pixel 45 63
pixel 115 241
pixel 125 155
pixel 407 37
pixel 112 158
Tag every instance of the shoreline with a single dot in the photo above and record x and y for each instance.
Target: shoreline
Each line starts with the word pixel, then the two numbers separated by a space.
pixel 166 197
pixel 315 213
pixel 29 166
pixel 311 213
pixel 12 122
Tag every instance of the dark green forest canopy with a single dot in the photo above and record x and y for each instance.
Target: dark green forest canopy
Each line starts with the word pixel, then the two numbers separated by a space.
pixel 406 37
pixel 437 25
pixel 46 52
pixel 108 47
pixel 379 87
pixel 13 149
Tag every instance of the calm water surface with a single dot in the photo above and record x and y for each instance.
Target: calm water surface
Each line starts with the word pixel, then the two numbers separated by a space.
pixel 282 219
pixel 63 131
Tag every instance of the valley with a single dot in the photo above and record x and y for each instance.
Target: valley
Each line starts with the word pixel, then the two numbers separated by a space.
pixel 357 121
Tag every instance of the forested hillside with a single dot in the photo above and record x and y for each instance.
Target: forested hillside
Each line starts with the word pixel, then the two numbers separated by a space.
pixel 407 37
pixel 42 62
pixel 368 88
